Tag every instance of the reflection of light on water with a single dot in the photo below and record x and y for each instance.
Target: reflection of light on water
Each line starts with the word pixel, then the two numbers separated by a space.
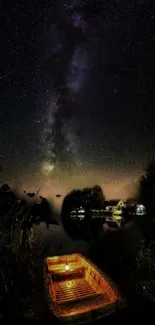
pixel 77 216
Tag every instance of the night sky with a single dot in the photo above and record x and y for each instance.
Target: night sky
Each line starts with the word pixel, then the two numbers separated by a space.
pixel 77 100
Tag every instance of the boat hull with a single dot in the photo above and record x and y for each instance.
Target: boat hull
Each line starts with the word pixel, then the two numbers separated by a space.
pixel 77 291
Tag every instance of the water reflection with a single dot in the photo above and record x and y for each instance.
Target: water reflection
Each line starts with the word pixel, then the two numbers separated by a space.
pixel 83 224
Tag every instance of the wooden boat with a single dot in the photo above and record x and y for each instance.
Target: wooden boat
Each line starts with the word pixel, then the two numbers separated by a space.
pixel 77 291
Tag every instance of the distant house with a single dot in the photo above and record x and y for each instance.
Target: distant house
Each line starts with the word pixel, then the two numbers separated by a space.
pixel 113 205
pixel 140 210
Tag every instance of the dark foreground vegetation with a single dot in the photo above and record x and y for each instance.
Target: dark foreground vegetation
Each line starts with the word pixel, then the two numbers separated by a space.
pixel 127 256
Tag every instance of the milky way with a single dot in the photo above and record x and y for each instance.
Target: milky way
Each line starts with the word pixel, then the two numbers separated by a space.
pixel 77 94
pixel 59 138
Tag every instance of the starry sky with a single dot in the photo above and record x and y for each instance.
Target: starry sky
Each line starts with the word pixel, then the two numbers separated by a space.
pixel 77 95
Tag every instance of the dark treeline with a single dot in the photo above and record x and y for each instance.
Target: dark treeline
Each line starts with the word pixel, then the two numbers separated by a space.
pixel 88 198
pixel 146 190
pixel 20 246
pixel 38 207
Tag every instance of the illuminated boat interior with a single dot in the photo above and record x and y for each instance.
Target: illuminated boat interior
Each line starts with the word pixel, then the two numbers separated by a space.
pixel 76 287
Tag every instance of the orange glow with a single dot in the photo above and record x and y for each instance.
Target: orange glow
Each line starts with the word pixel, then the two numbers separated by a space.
pixel 76 293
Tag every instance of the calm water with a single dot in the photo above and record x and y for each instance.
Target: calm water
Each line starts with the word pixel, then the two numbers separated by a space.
pixel 57 242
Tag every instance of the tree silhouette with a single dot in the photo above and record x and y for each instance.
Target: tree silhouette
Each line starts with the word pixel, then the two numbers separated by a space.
pixel 88 199
pixel 19 216
pixel 147 189
pixel 5 188
pixel 98 197
pixel 71 201
pixel 20 242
